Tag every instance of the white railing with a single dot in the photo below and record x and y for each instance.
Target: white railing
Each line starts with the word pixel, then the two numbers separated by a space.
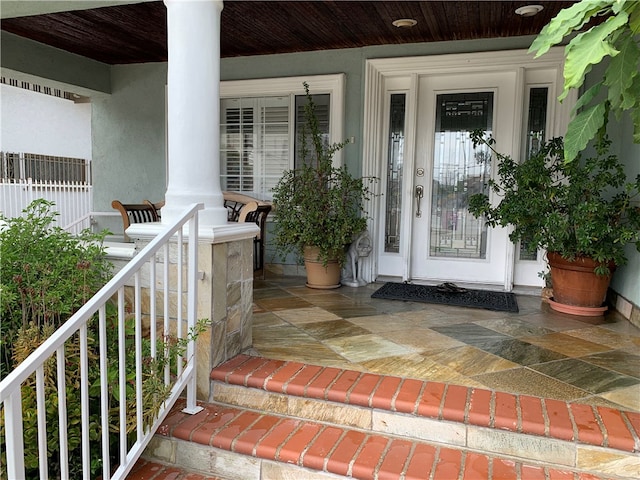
pixel 72 200
pixel 87 221
pixel 165 287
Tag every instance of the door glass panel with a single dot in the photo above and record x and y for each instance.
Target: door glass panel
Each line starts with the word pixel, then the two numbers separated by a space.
pixel 393 196
pixel 535 136
pixel 459 171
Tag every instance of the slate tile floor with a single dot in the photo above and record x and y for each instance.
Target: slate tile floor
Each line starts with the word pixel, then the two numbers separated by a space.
pixel 536 351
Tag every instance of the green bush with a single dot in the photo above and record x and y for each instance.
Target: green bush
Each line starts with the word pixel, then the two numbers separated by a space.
pixel 47 275
pixel 584 208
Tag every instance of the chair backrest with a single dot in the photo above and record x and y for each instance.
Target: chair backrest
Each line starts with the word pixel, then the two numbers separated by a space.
pixel 156 206
pixel 135 213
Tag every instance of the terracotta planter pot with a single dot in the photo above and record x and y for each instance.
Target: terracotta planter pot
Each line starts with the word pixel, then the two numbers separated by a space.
pixel 575 283
pixel 319 276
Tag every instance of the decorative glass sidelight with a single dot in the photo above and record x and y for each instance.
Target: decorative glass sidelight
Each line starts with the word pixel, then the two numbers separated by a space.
pixel 459 171
pixel 536 135
pixel 393 197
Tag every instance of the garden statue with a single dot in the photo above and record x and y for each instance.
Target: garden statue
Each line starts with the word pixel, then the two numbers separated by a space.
pixel 360 248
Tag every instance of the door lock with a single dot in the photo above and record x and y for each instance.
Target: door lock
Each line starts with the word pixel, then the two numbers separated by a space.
pixel 419 195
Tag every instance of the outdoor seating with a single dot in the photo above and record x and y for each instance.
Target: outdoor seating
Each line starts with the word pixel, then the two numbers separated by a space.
pixel 243 208
pixel 157 205
pixel 135 213
pixel 240 208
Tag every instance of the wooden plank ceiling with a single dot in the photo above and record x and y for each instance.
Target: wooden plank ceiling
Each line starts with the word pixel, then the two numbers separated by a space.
pixel 136 33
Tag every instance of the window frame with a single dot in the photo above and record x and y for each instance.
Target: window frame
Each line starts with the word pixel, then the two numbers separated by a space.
pixel 334 85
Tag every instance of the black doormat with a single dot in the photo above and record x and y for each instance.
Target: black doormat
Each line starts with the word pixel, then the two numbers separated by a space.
pixel 499 301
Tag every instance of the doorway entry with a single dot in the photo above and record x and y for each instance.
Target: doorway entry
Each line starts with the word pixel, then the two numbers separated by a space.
pixel 429 167
pixel 448 243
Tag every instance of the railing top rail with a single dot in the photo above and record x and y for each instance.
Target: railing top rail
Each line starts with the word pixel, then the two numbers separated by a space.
pixel 13 381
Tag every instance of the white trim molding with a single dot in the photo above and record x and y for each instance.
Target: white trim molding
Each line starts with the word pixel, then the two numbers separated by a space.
pixel 380 76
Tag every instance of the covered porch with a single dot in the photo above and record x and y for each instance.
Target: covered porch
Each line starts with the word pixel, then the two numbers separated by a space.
pixel 459 379
pixel 536 351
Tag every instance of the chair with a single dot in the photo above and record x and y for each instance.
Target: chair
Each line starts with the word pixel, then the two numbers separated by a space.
pixel 157 206
pixel 235 203
pixel 135 213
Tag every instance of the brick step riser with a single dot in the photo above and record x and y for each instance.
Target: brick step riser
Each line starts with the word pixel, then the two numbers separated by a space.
pixel 489 441
pixel 548 418
pixel 208 460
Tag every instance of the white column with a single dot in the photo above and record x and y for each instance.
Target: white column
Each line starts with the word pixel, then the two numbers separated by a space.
pixel 193 96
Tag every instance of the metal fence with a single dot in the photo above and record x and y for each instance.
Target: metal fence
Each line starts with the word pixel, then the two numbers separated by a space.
pixel 64 181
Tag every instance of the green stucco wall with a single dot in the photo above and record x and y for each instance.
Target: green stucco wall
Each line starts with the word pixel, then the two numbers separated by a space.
pixel 128 136
pixel 59 67
pixel 626 280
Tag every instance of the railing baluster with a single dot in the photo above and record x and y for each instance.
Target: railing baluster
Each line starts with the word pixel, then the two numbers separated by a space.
pixel 166 310
pixel 179 273
pixel 104 391
pixel 122 373
pixel 84 402
pixel 14 434
pixel 138 334
pixel 152 305
pixel 43 466
pixel 62 414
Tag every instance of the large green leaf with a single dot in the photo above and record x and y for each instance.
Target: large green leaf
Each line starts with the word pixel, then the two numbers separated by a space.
pixel 620 74
pixel 582 129
pixel 618 5
pixel 634 18
pixel 566 21
pixel 589 48
pixel 586 97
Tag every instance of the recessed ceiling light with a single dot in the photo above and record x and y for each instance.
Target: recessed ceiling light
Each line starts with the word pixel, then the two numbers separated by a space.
pixel 404 23
pixel 529 10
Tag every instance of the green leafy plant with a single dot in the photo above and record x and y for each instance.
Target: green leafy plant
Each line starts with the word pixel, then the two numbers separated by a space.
pixel 578 209
pixel 47 274
pixel 615 37
pixel 318 204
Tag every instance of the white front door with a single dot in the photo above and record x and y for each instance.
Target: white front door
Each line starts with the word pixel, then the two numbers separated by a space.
pixel 448 243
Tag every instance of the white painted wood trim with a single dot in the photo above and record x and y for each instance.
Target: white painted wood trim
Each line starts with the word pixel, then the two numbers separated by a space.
pixel 376 70
pixel 285 86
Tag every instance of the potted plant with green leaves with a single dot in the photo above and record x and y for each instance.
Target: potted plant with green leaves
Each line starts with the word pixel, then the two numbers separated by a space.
pixel 581 212
pixel 318 207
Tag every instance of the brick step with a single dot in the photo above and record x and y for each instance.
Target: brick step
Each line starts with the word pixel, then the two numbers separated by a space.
pixel 236 443
pixel 569 435
pixel 148 470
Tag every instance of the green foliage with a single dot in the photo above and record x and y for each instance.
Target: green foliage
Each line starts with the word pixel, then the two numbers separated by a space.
pixel 616 37
pixel 582 208
pixel 47 274
pixel 318 204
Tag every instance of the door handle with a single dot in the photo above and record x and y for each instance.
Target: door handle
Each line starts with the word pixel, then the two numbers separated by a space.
pixel 419 195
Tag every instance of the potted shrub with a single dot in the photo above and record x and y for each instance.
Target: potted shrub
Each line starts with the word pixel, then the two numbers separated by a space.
pixel 581 212
pixel 318 208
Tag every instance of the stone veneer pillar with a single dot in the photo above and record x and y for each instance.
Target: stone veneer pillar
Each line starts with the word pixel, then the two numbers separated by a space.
pixel 225 292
